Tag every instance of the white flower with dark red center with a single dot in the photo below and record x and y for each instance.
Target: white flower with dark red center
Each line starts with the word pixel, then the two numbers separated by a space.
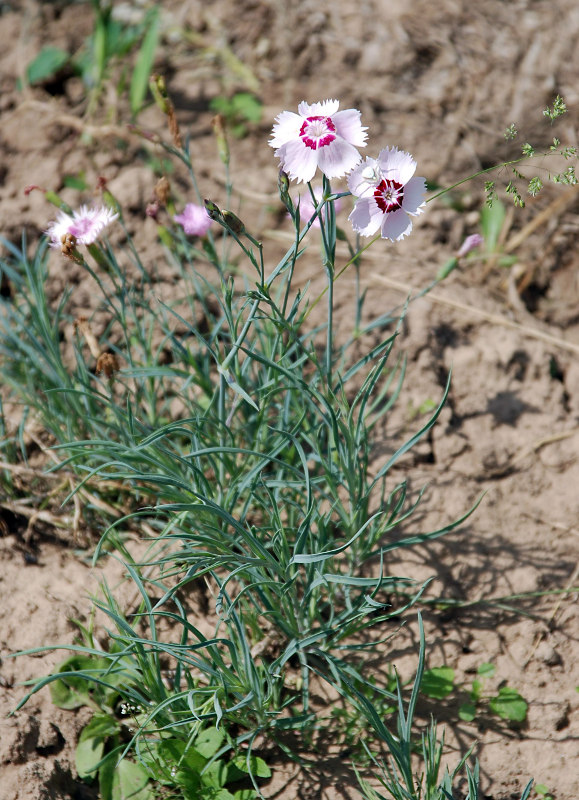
pixel 194 220
pixel 85 225
pixel 318 136
pixel 387 193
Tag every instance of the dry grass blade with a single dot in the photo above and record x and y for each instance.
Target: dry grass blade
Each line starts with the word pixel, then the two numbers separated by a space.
pixel 555 208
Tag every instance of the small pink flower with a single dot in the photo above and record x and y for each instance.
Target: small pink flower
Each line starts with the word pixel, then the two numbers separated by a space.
pixel 307 207
pixel 470 243
pixel 387 193
pixel 195 220
pixel 85 225
pixel 318 136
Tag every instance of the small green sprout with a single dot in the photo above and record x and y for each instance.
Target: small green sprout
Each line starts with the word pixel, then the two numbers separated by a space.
pixel 543 792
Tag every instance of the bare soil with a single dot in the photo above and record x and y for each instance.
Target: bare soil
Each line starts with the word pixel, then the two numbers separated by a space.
pixel 441 80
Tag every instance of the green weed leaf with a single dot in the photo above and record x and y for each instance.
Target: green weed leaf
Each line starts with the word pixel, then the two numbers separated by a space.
pixel 508 704
pixel 209 741
pixel 492 219
pixel 486 670
pixel 144 65
pixel 91 743
pixel 89 753
pixel 467 712
pixel 46 64
pixel 437 682
pixel 222 794
pixel 73 691
pixel 131 782
pixel 256 767
pixel 217 774
pixel 247 106
pixel 106 776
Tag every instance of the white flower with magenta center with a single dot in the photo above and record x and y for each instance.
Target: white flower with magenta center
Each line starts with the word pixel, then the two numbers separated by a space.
pixel 387 193
pixel 85 225
pixel 318 136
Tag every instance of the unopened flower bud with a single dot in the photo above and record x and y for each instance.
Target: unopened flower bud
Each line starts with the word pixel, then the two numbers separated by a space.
pixel 470 243
pixel 159 92
pixel 152 209
pixel 69 249
pixel 212 209
pixel 162 190
pixel 233 222
pixel 283 182
pixel 107 363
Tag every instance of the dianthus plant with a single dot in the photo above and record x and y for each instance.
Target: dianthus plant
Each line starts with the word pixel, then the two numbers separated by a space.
pixel 244 440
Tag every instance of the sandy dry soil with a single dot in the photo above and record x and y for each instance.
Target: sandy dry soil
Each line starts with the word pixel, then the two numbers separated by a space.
pixel 441 80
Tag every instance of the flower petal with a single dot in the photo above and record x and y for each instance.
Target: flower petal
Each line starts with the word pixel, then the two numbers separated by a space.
pixel 337 158
pixel 324 109
pixel 414 191
pixel 349 127
pixel 396 164
pixel 297 160
pixel 396 225
pixel 366 216
pixel 364 178
pixel 287 127
pixel 194 220
pixel 56 230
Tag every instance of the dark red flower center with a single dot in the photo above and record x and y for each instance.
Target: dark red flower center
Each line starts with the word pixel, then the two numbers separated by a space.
pixel 389 195
pixel 317 132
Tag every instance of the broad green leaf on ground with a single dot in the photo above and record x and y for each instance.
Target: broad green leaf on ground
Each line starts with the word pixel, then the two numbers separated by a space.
pixel 256 766
pixel 46 64
pixel 209 741
pixel 486 670
pixel 91 743
pixel 74 691
pixel 467 712
pixel 508 704
pixel 437 682
pixel 131 782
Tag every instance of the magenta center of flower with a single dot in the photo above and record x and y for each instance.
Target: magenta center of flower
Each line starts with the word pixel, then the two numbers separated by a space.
pixel 317 132
pixel 389 195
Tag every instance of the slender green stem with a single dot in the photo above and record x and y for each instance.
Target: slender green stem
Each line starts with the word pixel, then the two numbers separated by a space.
pixel 341 272
pixel 476 175
pixel 222 418
pixel 330 328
